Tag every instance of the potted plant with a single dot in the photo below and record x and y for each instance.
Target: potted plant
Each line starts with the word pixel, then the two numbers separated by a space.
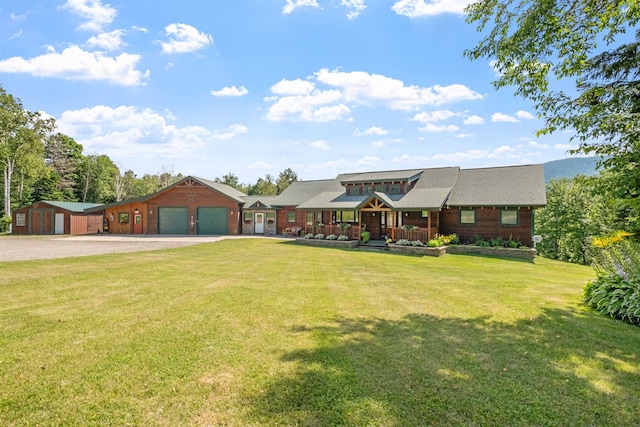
pixel 365 235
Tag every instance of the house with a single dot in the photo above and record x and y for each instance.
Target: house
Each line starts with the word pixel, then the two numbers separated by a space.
pixel 49 217
pixel 415 204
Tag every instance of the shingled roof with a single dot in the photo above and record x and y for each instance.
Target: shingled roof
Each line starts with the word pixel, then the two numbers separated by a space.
pixel 434 188
pixel 500 186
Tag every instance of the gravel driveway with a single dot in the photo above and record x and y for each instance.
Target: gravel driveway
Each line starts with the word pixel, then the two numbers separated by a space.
pixel 20 248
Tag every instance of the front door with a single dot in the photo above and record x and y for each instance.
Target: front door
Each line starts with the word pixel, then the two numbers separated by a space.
pixel 59 223
pixel 137 223
pixel 259 223
pixel 372 220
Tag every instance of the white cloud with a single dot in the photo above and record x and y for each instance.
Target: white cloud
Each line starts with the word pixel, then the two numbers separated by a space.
pixel 565 147
pixel 96 14
pixel 302 100
pixel 430 127
pixel 295 4
pixel 184 38
pixel 16 35
pixel 15 17
pixel 418 8
pixel 525 115
pixel 230 91
pixel 259 166
pixel 292 87
pixel 464 135
pixel 435 116
pixel 377 144
pixel 73 63
pixel 320 106
pixel 535 144
pixel 131 132
pixel 354 7
pixel 230 132
pixel 373 130
pixel 504 118
pixel 321 145
pixel 369 161
pixel 473 120
pixel 412 160
pixel 365 88
pixel 108 41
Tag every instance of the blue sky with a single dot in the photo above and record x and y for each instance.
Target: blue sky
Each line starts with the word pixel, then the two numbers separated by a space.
pixel 207 87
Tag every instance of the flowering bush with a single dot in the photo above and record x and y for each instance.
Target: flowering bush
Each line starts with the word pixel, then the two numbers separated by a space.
pixel 309 236
pixel 403 242
pixel 319 236
pixel 331 237
pixel 417 243
pixel 343 237
pixel 616 290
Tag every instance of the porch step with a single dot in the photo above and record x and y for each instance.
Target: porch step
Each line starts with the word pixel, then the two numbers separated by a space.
pixel 379 245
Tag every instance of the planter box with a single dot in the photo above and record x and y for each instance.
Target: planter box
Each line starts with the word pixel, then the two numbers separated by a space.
pixel 329 243
pixel 526 254
pixel 417 250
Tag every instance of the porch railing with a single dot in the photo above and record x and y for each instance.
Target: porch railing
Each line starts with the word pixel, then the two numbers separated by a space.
pixel 352 232
pixel 422 234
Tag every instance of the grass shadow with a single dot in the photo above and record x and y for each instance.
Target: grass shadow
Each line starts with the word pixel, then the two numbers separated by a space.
pixel 561 368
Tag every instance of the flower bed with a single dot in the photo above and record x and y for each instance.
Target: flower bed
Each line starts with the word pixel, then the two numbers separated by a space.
pixel 328 243
pixel 417 250
pixel 525 253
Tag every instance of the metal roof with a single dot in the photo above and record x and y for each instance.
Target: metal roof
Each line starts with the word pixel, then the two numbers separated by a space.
pixel 301 191
pixel 383 176
pixel 72 206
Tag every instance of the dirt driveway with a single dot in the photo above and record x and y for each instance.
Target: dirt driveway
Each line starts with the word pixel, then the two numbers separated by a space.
pixel 20 248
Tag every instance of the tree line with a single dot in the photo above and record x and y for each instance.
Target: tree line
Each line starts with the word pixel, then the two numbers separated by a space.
pixel 39 163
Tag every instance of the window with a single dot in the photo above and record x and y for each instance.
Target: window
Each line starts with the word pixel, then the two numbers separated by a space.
pixel 381 188
pixel 354 191
pixel 367 189
pixel 319 216
pixel 20 220
pixel 271 216
pixel 346 216
pixel 123 218
pixel 394 188
pixel 425 214
pixel 247 216
pixel 509 217
pixel 291 217
pixel 467 217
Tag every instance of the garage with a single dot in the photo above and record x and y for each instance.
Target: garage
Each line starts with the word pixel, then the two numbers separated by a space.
pixel 212 220
pixel 173 220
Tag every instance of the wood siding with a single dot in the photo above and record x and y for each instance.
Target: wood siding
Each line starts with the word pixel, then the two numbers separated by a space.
pixel 488 225
pixel 192 195
pixel 40 219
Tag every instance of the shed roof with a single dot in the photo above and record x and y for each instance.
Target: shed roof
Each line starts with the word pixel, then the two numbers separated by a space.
pixel 72 206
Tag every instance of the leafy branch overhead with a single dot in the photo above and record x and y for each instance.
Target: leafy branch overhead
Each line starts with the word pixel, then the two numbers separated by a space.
pixel 535 43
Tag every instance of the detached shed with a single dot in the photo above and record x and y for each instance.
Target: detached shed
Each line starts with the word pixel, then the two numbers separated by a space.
pixel 48 217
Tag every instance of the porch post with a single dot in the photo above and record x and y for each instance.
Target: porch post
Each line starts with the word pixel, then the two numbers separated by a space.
pixel 429 226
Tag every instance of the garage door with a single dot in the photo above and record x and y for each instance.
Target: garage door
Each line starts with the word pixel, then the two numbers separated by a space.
pixel 212 221
pixel 173 220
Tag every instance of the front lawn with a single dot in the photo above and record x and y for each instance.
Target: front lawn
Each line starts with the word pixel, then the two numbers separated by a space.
pixel 264 332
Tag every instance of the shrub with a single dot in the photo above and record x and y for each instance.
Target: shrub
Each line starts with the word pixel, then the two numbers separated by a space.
pixel 496 242
pixel 319 236
pixel 365 236
pixel 343 237
pixel 417 243
pixel 5 221
pixel 479 241
pixel 434 243
pixel 616 290
pixel 615 296
pixel 452 239
pixel 309 236
pixel 331 237
pixel 403 242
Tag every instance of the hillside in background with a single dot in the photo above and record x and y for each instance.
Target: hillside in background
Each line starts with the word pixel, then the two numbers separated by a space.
pixel 568 168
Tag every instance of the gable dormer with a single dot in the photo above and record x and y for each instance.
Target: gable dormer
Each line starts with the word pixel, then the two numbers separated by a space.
pixel 390 182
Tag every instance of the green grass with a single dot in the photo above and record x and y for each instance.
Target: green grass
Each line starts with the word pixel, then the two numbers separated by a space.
pixel 262 332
